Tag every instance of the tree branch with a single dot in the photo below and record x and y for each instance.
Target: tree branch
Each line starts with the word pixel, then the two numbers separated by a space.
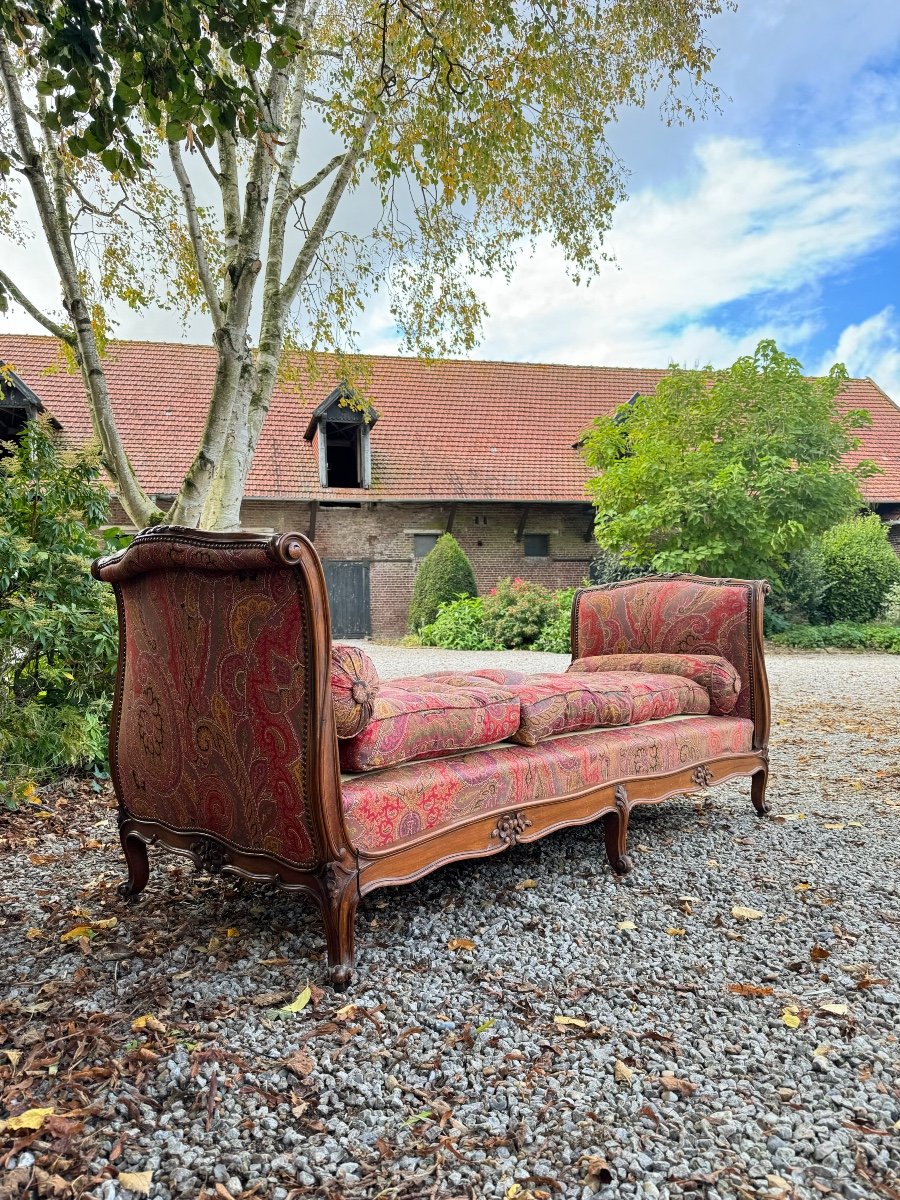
pixel 322 102
pixel 62 332
pixel 196 234
pixel 304 260
pixel 304 189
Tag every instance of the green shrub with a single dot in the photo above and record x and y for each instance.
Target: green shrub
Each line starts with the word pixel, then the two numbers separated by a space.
pixel 800 592
pixel 557 633
pixel 516 613
pixel 609 567
pixel 843 635
pixel 443 575
pixel 57 624
pixel 860 568
pixel 459 625
pixel 891 610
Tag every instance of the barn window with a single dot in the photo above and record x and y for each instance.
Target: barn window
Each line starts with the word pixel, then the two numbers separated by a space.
pixel 424 543
pixel 536 545
pixel 343 422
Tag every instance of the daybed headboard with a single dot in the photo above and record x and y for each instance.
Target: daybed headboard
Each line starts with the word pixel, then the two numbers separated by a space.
pixel 222 721
pixel 681 614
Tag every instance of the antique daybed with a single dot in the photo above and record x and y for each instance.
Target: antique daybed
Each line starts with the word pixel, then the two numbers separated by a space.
pixel 224 740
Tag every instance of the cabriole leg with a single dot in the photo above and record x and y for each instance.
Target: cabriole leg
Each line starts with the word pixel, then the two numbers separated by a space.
pixel 339 903
pixel 135 850
pixel 758 791
pixel 615 835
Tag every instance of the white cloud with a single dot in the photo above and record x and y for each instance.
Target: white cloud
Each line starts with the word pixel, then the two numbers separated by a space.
pixel 751 223
pixel 871 348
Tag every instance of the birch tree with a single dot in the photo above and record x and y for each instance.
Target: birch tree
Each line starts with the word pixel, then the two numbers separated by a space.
pixel 470 130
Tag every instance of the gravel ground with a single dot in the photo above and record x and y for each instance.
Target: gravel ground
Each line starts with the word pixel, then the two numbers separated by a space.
pixel 598 1038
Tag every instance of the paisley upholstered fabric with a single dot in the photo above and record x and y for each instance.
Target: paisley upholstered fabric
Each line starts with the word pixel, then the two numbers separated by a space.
pixel 669 616
pixel 416 719
pixel 354 686
pixel 554 704
pixel 402 802
pixel 712 672
pixel 462 678
pixel 215 722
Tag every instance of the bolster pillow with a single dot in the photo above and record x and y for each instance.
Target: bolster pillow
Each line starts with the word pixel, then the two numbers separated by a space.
pixel 715 674
pixel 354 686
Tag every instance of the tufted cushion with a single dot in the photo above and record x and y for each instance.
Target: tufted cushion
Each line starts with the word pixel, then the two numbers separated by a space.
pixel 477 677
pixel 425 718
pixel 354 686
pixel 403 802
pixel 554 704
pixel 712 672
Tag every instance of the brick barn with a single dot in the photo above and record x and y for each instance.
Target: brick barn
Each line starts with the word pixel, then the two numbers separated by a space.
pixel 486 450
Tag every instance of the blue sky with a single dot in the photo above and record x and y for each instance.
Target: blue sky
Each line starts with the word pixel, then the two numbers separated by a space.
pixel 778 216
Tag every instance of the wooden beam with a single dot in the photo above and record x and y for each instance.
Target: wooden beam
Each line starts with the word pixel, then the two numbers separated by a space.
pixel 313 513
pixel 520 528
pixel 451 517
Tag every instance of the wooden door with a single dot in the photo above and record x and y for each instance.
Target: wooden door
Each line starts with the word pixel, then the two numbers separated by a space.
pixel 348 597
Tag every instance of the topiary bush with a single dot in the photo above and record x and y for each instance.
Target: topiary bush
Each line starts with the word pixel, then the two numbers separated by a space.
pixel 459 625
pixel 860 568
pixel 444 575
pixel 57 624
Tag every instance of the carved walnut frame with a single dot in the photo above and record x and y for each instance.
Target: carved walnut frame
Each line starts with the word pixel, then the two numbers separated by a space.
pixel 343 874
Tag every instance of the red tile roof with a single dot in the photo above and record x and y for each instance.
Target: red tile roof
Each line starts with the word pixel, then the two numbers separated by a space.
pixel 448 430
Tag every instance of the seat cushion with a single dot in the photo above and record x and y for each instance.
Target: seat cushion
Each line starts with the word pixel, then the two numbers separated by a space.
pixel 405 802
pixel 495 674
pixel 354 686
pixel 716 674
pixel 420 718
pixel 554 704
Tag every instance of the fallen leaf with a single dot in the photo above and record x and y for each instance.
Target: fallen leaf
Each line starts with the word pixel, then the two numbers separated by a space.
pixel 621 1073
pixel 148 1021
pixel 298 1005
pixel 802 887
pixel 733 935
pixel 854 824
pixel 223 1192
pixel 793 816
pixel 301 1063
pixel 107 923
pixel 597 1170
pixel 523 884
pixel 136 1181
pixel 683 1087
pixel 79 931
pixel 836 1010
pixel 513 1191
pixel 833 825
pixel 749 989
pixel 232 933
pixel 485 1025
pixel 791 1017
pixel 33 934
pixel 687 904
pixel 268 999
pixel 746 914
pixel 419 1116
pixel 625 925
pixel 32 1118
pixel 560 1020
pixel 346 1013
pixel 819 953
pixel 14 1056
pixel 460 944
pixel 821 1051
pixel 674 932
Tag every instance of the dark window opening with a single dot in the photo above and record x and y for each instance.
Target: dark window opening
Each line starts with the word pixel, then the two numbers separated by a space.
pixel 342 455
pixel 339 504
pixel 12 422
pixel 424 543
pixel 536 545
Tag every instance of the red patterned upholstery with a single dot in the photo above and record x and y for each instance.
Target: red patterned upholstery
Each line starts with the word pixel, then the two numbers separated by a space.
pixel 713 673
pixel 215 720
pixel 668 616
pixel 354 686
pixel 554 704
pixel 383 809
pixel 463 678
pixel 415 719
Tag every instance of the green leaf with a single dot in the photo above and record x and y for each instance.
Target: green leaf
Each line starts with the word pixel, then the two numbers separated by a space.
pixel 298 1005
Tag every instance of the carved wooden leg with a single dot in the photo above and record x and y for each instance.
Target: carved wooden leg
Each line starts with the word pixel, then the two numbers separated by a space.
pixel 758 791
pixel 339 903
pixel 135 851
pixel 615 834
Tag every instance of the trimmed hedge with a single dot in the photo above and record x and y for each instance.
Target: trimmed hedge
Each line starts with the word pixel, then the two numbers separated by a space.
pixel 860 568
pixel 444 575
pixel 843 635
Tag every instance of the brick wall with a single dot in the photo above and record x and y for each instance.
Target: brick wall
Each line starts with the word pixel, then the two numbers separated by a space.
pixel 382 533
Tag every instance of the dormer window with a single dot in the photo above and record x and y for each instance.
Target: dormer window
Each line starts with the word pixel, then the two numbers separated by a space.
pixel 342 423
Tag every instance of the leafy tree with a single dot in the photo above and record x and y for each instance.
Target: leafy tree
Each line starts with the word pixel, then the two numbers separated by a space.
pixel 444 574
pixel 860 568
pixel 725 472
pixel 477 126
pixel 57 625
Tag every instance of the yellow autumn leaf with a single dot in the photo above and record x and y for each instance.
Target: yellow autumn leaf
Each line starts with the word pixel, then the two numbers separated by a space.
pixel 621 1073
pixel 32 1118
pixel 561 1020
pixel 674 932
pixel 33 934
pixel 802 887
pixel 148 1021
pixel 514 1190
pixel 460 944
pixel 833 825
pixel 791 1017
pixel 79 931
pixel 107 923
pixel 746 914
pixel 821 1051
pixel 793 816
pixel 136 1181
pixel 625 925
pixel 523 884
pixel 854 824
pixel 300 1003
pixel 836 1010
pixel 232 933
